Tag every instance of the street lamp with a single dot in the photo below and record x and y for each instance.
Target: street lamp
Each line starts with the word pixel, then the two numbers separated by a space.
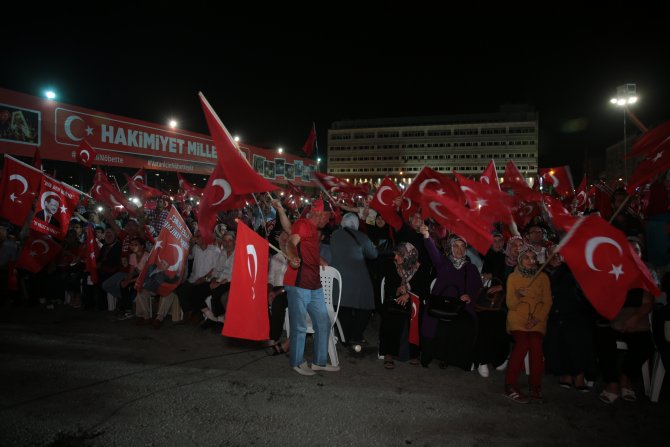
pixel 280 150
pixel 626 95
pixel 173 124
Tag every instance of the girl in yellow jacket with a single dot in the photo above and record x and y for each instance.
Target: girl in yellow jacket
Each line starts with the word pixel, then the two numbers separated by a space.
pixel 528 303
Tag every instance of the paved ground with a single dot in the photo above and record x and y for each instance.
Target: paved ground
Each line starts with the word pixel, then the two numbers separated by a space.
pixel 83 378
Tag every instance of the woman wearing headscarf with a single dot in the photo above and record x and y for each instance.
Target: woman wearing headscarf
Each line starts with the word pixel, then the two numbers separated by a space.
pixel 402 277
pixel 451 342
pixel 350 248
pixel 528 302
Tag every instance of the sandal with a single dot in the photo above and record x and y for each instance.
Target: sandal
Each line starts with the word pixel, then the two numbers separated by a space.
pixel 628 395
pixel 607 397
pixel 389 364
pixel 276 349
pixel 512 392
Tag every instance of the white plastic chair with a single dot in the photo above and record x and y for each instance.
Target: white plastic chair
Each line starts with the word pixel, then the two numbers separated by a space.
pixel 328 276
pixel 646 378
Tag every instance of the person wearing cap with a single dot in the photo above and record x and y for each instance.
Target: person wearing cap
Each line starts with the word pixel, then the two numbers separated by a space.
pixel 302 282
pixel 157 217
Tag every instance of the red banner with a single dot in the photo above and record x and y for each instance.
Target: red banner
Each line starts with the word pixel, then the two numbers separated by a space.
pixel 57 129
pixel 54 208
pixel 17 191
pixel 247 311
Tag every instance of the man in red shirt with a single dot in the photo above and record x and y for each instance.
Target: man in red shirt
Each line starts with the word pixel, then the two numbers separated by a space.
pixel 304 292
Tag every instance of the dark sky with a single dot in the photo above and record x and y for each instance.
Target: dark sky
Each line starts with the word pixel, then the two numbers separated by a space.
pixel 268 83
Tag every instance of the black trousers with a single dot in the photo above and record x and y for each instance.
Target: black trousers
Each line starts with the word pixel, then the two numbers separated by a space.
pixel 192 297
pixel 493 342
pixel 568 347
pixel 277 314
pixel 354 322
pixel 640 349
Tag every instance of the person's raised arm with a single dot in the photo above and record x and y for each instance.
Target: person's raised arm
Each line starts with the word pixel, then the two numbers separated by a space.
pixel 435 257
pixel 292 251
pixel 283 218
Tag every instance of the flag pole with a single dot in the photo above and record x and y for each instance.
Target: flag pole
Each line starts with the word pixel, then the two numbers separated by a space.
pixel 558 248
pixel 625 202
pixel 253 194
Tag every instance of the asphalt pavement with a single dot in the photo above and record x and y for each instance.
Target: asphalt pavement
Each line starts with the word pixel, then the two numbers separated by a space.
pixel 85 378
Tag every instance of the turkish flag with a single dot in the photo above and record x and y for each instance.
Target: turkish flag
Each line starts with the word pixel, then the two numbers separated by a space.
pixel 138 188
pixel 169 256
pixel 247 310
pixel 218 196
pixel 486 199
pixel 333 184
pixel 558 178
pixel 524 211
pixel 37 252
pixel 92 251
pixel 308 147
pixel 103 191
pixel 560 217
pixel 515 182
pixel 581 196
pixel 293 190
pixel 86 154
pixel 604 264
pixel 17 191
pixel 236 169
pixel 382 202
pixel 648 143
pixel 414 320
pixel 429 180
pixel 655 163
pixel 54 208
pixel 490 175
pixel 456 218
pixel 140 176
pixel 188 188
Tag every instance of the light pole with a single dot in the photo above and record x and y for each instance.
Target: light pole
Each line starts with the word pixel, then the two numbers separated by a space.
pixel 626 95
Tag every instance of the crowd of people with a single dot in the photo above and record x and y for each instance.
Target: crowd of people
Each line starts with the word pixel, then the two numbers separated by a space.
pixel 501 310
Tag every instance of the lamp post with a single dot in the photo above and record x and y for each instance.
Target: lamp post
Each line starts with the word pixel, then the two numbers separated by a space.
pixel 626 95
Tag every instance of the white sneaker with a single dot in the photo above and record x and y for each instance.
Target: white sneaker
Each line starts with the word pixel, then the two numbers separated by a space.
pixel 502 367
pixel 328 367
pixel 483 370
pixel 304 369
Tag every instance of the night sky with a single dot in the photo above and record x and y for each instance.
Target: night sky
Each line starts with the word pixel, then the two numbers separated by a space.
pixel 268 83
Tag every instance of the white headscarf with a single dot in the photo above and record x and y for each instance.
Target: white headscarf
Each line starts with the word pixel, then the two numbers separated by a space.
pixel 350 220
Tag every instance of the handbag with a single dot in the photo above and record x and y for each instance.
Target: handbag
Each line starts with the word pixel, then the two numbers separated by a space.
pixel 398 309
pixel 491 296
pixel 449 306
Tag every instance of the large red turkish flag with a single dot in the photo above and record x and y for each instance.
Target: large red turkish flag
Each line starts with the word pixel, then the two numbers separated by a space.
pixel 490 175
pixel 308 147
pixel 430 180
pixel 648 143
pixel 188 188
pixel 168 258
pixel 334 184
pixel 486 199
pixel 604 264
pixel 37 252
pixel 656 163
pixel 103 191
pixel 237 170
pixel 20 183
pixel 55 204
pixel 383 202
pixel 514 181
pixel 581 196
pixel 558 178
pixel 138 188
pixel 86 154
pixel 247 310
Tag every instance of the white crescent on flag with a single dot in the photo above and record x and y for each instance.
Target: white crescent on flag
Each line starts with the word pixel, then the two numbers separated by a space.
pixel 485 179
pixel 225 186
pixel 591 246
pixel 380 193
pixel 433 206
pixel 424 183
pixel 252 258
pixel 81 155
pixel 43 244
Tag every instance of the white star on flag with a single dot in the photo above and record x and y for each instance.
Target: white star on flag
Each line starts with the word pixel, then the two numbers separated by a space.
pixel 63 209
pixel 92 255
pixel 659 155
pixel 33 253
pixel 89 130
pixel 440 192
pixel 481 203
pixel 159 244
pixel 12 197
pixel 617 270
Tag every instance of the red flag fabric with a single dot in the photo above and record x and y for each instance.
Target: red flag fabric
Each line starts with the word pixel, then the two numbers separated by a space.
pixel 408 207
pixel 560 217
pixel 37 252
pixel 456 218
pixel 293 190
pixel 236 169
pixel 103 191
pixel 429 180
pixel 513 181
pixel 247 310
pixel 140 176
pixel 604 264
pixel 524 211
pixel 188 187
pixel 648 143
pixel 487 200
pixel 218 196
pixel 581 196
pixel 414 320
pixel 656 163
pixel 382 202
pixel 138 188
pixel 169 256
pixel 308 147
pixel 490 175
pixel 334 184
pixel 92 251
pixel 86 154
pixel 17 191
pixel 558 178
pixel 54 208
pixel 37 159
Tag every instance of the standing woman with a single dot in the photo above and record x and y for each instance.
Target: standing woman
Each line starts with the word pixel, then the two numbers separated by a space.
pixel 528 304
pixel 350 248
pixel 402 276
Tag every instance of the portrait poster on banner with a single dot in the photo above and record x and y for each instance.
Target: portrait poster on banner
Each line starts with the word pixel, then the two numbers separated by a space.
pixel 306 173
pixel 289 171
pixel 19 125
pixel 279 167
pixel 54 207
pixel 298 166
pixel 259 164
pixel 269 169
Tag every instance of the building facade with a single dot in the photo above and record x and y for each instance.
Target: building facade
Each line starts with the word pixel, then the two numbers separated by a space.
pixel 368 150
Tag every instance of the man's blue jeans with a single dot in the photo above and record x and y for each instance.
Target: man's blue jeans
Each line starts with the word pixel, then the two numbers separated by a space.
pixel 300 303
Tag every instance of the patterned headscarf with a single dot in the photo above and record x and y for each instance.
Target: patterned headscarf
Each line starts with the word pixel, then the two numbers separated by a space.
pixel 510 260
pixel 410 262
pixel 526 272
pixel 350 220
pixel 457 262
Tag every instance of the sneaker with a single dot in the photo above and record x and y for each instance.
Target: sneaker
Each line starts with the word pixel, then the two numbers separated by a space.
pixel 303 369
pixel 483 370
pixel 512 392
pixel 328 367
pixel 502 367
pixel 125 316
